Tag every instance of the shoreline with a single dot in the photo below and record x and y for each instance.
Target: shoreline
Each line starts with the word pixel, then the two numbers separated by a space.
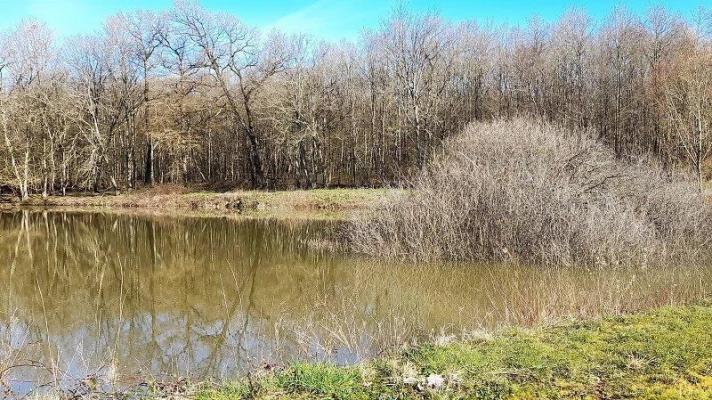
pixel 653 354
pixel 659 353
pixel 330 204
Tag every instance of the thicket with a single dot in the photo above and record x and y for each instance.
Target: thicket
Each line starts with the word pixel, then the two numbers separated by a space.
pixel 534 192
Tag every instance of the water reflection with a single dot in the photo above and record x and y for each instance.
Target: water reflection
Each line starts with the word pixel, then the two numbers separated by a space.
pixel 127 296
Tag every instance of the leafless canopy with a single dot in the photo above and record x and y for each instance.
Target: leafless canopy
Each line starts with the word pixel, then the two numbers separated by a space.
pixel 191 96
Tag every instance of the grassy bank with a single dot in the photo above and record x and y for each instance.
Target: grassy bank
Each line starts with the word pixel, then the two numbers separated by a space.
pixel 662 354
pixel 318 203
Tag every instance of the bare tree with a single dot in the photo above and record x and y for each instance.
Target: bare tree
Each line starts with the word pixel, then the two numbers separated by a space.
pixel 27 63
pixel 688 103
pixel 240 65
pixel 146 31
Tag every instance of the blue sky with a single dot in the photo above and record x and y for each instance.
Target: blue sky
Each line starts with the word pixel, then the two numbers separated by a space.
pixel 327 19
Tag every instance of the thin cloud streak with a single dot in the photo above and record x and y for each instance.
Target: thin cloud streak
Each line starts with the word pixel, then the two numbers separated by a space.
pixel 330 19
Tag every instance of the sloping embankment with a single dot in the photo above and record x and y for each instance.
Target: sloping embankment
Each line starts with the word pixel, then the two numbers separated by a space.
pixel 662 354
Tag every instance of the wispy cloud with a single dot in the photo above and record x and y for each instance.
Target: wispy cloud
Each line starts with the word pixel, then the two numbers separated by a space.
pixel 333 19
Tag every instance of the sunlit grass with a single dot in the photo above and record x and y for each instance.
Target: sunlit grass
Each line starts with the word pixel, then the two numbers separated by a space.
pixel 314 204
pixel 659 354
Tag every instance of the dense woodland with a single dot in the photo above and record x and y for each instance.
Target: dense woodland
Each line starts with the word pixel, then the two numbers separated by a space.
pixel 190 96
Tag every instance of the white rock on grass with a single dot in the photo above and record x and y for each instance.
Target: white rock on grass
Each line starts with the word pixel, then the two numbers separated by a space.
pixel 435 381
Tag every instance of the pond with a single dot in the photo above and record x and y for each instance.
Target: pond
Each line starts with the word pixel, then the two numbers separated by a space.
pixel 125 297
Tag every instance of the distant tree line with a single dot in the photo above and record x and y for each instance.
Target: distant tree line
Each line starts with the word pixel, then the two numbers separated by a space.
pixel 197 97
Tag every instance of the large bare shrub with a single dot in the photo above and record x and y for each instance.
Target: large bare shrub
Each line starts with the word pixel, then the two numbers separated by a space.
pixel 526 191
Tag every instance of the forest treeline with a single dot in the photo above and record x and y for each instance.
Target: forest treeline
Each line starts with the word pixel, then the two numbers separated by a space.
pixel 197 97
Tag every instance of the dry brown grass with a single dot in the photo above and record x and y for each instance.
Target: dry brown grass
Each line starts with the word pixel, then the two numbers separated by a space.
pixel 524 191
pixel 175 199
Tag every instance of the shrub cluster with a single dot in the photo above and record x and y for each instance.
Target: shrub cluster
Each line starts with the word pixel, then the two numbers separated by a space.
pixel 521 190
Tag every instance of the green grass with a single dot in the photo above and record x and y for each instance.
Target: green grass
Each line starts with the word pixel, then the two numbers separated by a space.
pixel 317 198
pixel 661 354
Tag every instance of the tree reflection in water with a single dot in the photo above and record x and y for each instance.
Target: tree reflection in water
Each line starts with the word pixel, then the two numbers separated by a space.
pixel 124 296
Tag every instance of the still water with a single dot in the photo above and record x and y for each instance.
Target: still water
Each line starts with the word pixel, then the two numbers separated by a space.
pixel 123 297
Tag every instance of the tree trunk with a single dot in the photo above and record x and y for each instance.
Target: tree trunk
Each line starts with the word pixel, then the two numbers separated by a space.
pixel 257 174
pixel 149 175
